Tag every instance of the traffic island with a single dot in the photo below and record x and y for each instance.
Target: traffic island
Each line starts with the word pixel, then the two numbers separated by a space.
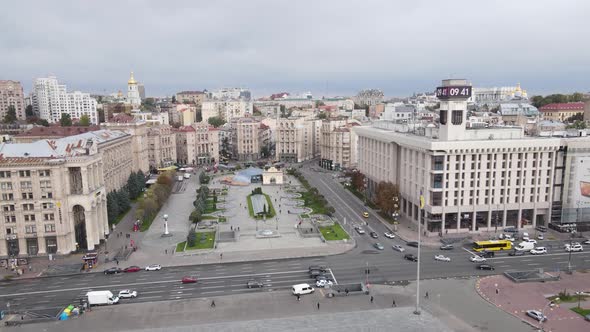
pixel 334 233
pixel 197 241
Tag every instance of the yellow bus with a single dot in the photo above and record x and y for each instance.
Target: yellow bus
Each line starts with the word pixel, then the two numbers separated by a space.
pixel 492 245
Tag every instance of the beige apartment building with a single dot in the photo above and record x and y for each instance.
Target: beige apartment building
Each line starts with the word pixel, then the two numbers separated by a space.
pixel 11 94
pixel 297 139
pixel 206 143
pixel 191 97
pixel 139 140
pixel 227 109
pixel 561 111
pixel 249 136
pixel 338 144
pixel 161 146
pixel 52 197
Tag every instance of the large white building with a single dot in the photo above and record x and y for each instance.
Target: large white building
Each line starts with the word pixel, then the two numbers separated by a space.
pixel 230 93
pixel 226 109
pixel 474 179
pixel 51 99
pixel 497 95
pixel 297 139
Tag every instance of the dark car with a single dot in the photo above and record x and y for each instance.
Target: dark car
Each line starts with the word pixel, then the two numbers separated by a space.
pixel 487 254
pixel 315 273
pixel 485 267
pixel 318 267
pixel 411 257
pixel 447 247
pixel 374 235
pixel 541 229
pixel 113 270
pixel 412 244
pixel 254 284
pixel 517 253
pixel 132 269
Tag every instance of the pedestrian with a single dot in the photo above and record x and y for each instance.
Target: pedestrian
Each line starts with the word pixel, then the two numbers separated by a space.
pixel 393 304
pixel 213 304
pixel 497 291
pixel 318 306
pixel 166 251
pixel 426 295
pixel 372 298
pixel 30 268
pixel 231 228
pixel 346 291
pixel 238 228
pixel 221 256
pixel 117 261
pixel 298 297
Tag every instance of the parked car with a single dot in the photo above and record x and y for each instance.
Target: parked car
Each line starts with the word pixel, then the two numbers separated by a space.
pixel 586 242
pixel 153 267
pixel 389 235
pixel 360 230
pixel 477 259
pixel 397 247
pixel 442 258
pixel 411 257
pixel 315 273
pixel 113 270
pixel 539 251
pixel 485 267
pixel 324 283
pixel 374 235
pixel 378 246
pixel 517 253
pixel 188 280
pixel 536 315
pixel 412 244
pixel 447 247
pixel 541 229
pixel 533 241
pixel 127 294
pixel 317 267
pixel 132 269
pixel 540 236
pixel 366 214
pixel 323 277
pixel 574 248
pixel 487 254
pixel 254 284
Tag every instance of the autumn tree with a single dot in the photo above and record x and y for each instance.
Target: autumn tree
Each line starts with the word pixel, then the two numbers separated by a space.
pixel 387 197
pixel 358 181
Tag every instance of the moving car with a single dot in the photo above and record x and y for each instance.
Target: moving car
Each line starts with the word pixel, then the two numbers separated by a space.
pixel 315 273
pixel 536 315
pixel 442 258
pixel 318 267
pixel 587 242
pixel 254 284
pixel 397 247
pixel 411 257
pixel 324 283
pixel 322 277
pixel 533 241
pixel 187 175
pixel 487 254
pixel 378 246
pixel 447 247
pixel 360 230
pixel 188 280
pixel 412 244
pixel 477 259
pixel 301 289
pixel 127 294
pixel 574 248
pixel 540 236
pixel 389 235
pixel 539 251
pixel 132 269
pixel 485 267
pixel 153 267
pixel 366 214
pixel 374 235
pixel 113 270
pixel 567 245
pixel 517 253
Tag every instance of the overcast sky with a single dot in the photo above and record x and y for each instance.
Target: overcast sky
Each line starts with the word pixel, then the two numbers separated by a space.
pixel 323 46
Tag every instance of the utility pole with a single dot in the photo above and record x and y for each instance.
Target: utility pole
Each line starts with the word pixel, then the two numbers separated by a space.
pixel 417 310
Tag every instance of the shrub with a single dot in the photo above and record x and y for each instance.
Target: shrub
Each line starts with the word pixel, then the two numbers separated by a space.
pixel 191 239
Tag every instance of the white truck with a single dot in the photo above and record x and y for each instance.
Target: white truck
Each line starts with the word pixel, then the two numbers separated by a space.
pixel 101 298
pixel 525 246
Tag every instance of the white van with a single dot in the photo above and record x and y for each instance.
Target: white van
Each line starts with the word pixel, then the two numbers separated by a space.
pixel 187 175
pixel 525 246
pixel 302 289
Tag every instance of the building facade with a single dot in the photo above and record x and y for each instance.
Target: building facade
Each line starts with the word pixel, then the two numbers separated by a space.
pixel 338 144
pixel 297 139
pixel 11 94
pixel 206 144
pixel 191 97
pixel 249 138
pixel 161 146
pixel 226 109
pixel 139 140
pixel 53 198
pixel 51 99
pixel 369 97
pixel 562 111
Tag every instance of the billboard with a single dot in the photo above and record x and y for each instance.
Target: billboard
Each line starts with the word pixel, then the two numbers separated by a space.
pixel 581 187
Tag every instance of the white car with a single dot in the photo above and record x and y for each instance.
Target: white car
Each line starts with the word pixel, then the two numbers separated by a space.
pixel 477 259
pixel 533 241
pixel 153 267
pixel 324 283
pixel 574 248
pixel 442 258
pixel 397 247
pixel 536 315
pixel 567 245
pixel 541 236
pixel 538 251
pixel 360 230
pixel 127 294
pixel 587 242
pixel 389 235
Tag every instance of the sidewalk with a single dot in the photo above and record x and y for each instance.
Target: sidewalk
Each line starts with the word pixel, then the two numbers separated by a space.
pixel 516 299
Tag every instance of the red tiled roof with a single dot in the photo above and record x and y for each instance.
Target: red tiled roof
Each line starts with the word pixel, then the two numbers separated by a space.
pixel 186 129
pixel 57 131
pixel 263 126
pixel 121 118
pixel 578 106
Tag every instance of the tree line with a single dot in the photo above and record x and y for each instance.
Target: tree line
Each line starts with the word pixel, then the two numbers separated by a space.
pixel 119 201
pixel 153 199
pixel 540 101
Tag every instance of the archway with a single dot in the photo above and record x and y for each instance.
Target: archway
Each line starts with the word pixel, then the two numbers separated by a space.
pixel 80 227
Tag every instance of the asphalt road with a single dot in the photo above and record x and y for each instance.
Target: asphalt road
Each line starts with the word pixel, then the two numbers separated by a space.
pixel 47 295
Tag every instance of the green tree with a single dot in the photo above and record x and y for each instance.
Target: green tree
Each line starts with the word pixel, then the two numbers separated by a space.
pixel 133 186
pixel 216 121
pixel 174 99
pixel 195 216
pixel 10 116
pixel 191 238
pixel 323 115
pixel 43 122
pixel 29 111
pixel 123 200
pixel 84 121
pixel 112 207
pixel 66 120
pixel 140 180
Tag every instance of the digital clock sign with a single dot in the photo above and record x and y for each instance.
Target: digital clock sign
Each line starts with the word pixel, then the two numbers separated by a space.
pixel 447 92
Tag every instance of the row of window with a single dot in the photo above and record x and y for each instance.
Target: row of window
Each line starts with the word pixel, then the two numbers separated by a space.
pixel 26 196
pixel 30 218
pixel 43 184
pixel 25 174
pixel 31 229
pixel 27 207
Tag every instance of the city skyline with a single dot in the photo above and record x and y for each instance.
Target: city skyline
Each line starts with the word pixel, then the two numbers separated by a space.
pixel 332 48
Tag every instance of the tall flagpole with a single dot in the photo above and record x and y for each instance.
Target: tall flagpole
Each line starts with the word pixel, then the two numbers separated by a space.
pixel 417 310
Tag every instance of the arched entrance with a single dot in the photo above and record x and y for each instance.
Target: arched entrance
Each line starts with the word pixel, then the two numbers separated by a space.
pixel 80 227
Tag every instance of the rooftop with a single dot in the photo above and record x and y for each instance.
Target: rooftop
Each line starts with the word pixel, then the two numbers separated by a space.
pixel 577 106
pixel 190 93
pixel 57 131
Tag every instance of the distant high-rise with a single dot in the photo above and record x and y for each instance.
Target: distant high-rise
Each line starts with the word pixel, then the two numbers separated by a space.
pixel 11 94
pixel 51 99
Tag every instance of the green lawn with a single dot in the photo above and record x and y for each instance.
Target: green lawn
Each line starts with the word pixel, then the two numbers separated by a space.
pixel 269 205
pixel 222 219
pixel 208 217
pixel 333 233
pixel 210 208
pixel 583 312
pixel 207 243
pixel 313 203
pixel 180 246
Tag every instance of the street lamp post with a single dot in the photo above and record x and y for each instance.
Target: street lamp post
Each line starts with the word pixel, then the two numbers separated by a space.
pixel 417 310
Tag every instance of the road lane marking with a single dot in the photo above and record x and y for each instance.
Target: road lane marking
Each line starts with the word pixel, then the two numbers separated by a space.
pixel 333 277
pixel 208 287
pixel 143 283
pixel 147 297
pixel 153 292
pixel 212 292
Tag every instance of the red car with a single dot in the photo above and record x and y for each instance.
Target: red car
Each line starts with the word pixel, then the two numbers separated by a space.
pixel 132 269
pixel 189 280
